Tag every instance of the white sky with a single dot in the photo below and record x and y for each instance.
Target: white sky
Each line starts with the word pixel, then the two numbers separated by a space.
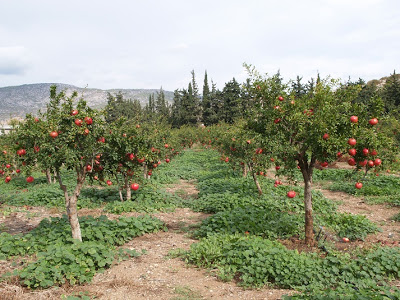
pixel 154 43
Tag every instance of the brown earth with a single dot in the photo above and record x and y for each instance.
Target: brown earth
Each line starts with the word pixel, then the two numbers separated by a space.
pixel 23 219
pixel 378 213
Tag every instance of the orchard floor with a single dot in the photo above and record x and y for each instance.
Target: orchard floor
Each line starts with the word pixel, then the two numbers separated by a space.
pixel 155 275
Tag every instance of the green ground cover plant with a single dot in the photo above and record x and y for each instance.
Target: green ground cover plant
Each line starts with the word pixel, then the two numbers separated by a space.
pixel 237 240
pixel 252 220
pixel 396 217
pixel 373 186
pixel 256 262
pixel 56 231
pixel 75 263
pixel 61 259
pixel 148 199
pixel 238 208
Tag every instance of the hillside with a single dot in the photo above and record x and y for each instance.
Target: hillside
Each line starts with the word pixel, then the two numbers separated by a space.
pixel 17 101
pixel 381 82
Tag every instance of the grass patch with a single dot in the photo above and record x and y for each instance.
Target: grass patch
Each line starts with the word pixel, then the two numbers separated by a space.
pixel 186 293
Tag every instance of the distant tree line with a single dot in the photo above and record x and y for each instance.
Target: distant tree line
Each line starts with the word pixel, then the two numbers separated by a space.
pixel 190 107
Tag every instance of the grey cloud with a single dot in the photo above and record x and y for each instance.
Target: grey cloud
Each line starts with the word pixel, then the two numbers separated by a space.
pixel 13 60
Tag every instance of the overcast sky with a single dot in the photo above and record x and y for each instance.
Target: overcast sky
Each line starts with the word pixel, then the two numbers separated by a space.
pixel 154 43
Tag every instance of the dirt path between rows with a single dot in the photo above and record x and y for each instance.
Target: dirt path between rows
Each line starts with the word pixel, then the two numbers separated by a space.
pixel 380 214
pixel 24 218
pixel 154 275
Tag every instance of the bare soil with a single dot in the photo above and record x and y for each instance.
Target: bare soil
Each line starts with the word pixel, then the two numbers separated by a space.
pixel 377 213
pixel 23 219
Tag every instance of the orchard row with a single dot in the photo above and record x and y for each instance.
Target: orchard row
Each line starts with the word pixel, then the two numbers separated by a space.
pixel 70 135
pixel 282 129
pixel 289 131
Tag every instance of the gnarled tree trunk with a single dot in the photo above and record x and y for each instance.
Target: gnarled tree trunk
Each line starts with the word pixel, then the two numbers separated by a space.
pixel 307 171
pixel 245 170
pixel 121 198
pixel 309 222
pixel 128 189
pixel 71 204
pixel 145 175
pixel 255 179
pixel 48 176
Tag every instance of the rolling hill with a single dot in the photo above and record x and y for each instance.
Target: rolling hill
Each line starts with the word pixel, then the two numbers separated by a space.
pixel 17 101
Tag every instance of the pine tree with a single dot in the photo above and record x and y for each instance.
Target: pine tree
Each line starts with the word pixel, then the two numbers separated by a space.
pixel 298 88
pixel 118 107
pixel 310 86
pixel 247 101
pixel 176 109
pixel 150 109
pixel 161 105
pixel 391 93
pixel 133 110
pixel 111 113
pixel 232 101
pixel 367 94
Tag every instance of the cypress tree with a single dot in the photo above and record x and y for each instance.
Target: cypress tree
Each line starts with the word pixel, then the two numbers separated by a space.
pixel 152 105
pixel 189 105
pixel 206 102
pixel 195 100
pixel 216 104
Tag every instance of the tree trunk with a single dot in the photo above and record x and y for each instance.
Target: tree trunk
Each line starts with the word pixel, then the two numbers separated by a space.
pixel 255 180
pixel 121 198
pixel 48 176
pixel 307 172
pixel 128 189
pixel 309 224
pixel 244 170
pixel 145 172
pixel 71 206
pixel 72 213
